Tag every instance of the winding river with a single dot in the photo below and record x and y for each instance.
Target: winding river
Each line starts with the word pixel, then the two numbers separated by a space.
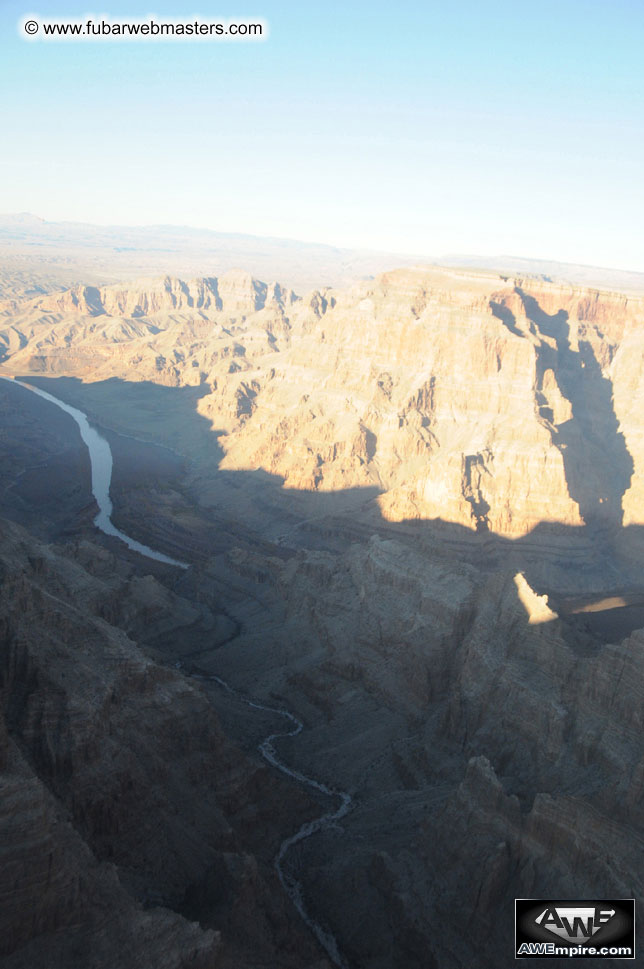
pixel 101 464
pixel 101 461
pixel 291 885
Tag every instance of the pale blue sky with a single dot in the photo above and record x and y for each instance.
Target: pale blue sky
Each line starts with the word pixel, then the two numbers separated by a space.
pixel 425 128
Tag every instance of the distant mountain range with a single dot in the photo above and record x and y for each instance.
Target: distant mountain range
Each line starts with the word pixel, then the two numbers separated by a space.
pixel 102 254
pixel 51 255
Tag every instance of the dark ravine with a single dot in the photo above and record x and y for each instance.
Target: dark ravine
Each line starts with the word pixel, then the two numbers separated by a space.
pixel 101 462
pixel 291 885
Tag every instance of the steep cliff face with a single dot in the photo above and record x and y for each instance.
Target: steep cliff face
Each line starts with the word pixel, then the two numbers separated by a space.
pixel 400 473
pixel 120 791
pixel 491 748
pixel 418 391
pixel 414 383
pixel 61 906
pixel 236 293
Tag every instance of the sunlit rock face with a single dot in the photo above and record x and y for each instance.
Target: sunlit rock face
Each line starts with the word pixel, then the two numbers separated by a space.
pixel 389 497
pixel 492 403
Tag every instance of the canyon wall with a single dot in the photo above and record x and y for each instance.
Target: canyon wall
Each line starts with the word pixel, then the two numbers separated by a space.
pixel 492 403
pixel 388 496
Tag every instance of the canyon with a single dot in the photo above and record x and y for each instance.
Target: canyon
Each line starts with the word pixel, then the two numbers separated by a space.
pixel 412 509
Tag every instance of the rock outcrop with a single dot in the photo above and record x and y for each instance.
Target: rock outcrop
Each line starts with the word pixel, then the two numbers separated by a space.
pixel 490 756
pixel 120 792
pixel 414 384
pixel 389 497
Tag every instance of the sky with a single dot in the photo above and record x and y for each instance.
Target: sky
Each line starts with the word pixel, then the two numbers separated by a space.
pixel 420 127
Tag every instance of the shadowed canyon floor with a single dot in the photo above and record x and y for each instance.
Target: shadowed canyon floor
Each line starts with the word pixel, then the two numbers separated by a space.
pixel 375 489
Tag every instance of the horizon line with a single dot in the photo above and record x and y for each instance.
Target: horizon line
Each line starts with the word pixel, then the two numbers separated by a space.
pixel 417 258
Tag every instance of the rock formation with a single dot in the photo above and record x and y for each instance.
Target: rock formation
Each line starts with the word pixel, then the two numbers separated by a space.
pixel 414 383
pixel 397 501
pixel 120 793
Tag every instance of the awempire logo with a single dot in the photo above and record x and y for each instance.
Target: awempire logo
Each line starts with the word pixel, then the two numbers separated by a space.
pixel 552 928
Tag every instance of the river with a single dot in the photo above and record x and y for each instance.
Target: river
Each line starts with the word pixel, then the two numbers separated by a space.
pixel 101 463
pixel 100 455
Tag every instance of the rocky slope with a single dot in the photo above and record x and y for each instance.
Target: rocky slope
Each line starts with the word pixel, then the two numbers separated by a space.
pixel 414 384
pixel 389 496
pixel 121 794
pixel 490 747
